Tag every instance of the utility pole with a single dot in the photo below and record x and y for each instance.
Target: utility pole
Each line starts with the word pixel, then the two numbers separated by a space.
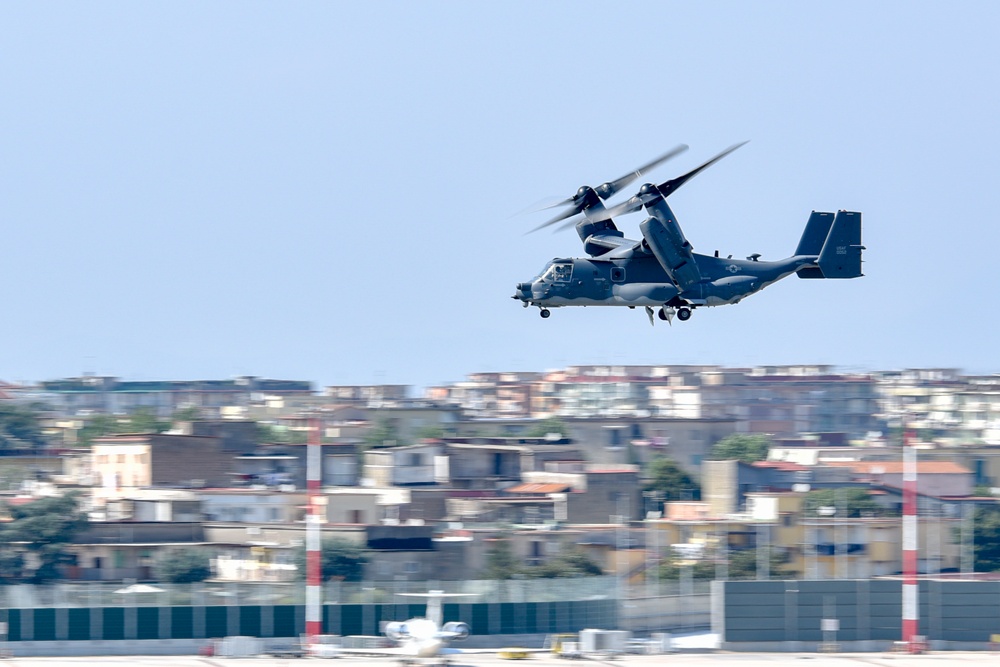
pixel 911 607
pixel 314 588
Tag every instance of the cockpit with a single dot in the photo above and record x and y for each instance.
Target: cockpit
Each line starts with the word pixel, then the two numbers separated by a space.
pixel 558 271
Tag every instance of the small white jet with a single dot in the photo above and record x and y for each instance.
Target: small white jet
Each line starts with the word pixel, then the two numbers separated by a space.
pixel 423 638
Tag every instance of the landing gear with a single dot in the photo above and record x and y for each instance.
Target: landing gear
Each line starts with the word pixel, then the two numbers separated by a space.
pixel 544 312
pixel 684 313
pixel 663 314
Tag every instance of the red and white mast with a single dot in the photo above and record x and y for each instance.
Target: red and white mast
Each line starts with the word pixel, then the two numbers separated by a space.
pixel 911 606
pixel 314 618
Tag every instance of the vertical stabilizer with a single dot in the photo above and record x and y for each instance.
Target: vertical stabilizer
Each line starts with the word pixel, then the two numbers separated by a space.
pixel 434 599
pixel 841 254
pixel 434 607
pixel 815 233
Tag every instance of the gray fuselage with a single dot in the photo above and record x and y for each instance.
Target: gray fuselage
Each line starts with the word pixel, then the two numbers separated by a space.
pixel 640 280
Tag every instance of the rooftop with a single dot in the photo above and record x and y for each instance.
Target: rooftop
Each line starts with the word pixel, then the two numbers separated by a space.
pixel 896 467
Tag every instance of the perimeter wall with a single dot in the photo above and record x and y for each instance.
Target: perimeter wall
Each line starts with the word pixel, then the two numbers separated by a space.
pixel 788 615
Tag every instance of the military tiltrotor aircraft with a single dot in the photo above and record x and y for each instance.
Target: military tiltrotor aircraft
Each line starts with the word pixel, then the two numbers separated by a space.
pixel 661 271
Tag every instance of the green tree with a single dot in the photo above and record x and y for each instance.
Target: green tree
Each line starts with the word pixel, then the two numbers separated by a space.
pixel 140 420
pixel 665 476
pixel 501 563
pixel 986 536
pixel 381 434
pixel 571 562
pixel 44 527
pixel 340 560
pixel 184 566
pixel 545 427
pixel 144 420
pixel 746 448
pixel 857 502
pixel 670 569
pixel 12 474
pixel 97 426
pixel 19 427
pixel 188 414
pixel 270 434
pixel 743 564
pixel 431 432
pixel 11 565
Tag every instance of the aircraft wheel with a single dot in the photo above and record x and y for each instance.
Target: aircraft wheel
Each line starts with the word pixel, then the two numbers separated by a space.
pixel 662 314
pixel 544 312
pixel 684 314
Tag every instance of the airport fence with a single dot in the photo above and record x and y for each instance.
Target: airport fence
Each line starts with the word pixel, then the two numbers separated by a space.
pixel 98 611
pixel 861 614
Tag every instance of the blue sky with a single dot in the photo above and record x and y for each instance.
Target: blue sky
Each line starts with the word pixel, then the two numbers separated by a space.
pixel 324 190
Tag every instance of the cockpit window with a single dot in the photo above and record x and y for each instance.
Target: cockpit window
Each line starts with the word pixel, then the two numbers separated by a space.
pixel 560 272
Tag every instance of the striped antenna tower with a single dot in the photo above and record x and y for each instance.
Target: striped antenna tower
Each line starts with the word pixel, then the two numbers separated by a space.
pixel 911 606
pixel 314 619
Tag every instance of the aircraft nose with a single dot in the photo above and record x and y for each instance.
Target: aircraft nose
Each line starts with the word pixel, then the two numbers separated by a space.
pixel 523 291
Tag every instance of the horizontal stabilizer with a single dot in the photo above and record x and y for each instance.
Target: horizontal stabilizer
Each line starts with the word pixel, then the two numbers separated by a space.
pixel 810 272
pixel 841 254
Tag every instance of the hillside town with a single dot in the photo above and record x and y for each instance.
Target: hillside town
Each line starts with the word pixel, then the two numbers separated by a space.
pixel 640 472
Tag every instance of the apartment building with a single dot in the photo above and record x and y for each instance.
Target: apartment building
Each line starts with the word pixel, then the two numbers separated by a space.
pixel 121 462
pixel 110 395
pixel 777 400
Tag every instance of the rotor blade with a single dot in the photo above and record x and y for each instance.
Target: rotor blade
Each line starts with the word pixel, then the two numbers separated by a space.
pixel 568 213
pixel 628 206
pixel 544 205
pixel 572 222
pixel 608 190
pixel 668 187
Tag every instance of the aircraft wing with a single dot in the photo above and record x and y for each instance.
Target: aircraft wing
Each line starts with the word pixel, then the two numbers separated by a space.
pixel 666 240
pixel 404 652
pixel 609 241
pixel 388 652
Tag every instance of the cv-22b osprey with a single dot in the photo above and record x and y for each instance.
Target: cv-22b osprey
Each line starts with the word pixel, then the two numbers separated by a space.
pixel 661 271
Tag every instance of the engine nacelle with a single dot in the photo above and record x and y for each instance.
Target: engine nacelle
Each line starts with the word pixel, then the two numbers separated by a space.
pixel 461 630
pixel 396 630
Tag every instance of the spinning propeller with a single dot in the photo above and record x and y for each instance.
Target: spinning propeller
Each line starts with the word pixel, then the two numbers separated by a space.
pixel 650 192
pixel 586 196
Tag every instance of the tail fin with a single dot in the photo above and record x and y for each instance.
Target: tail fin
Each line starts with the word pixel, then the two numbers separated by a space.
pixel 813 238
pixel 841 254
pixel 815 233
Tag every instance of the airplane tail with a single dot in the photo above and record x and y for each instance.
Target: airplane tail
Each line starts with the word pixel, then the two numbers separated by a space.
pixel 434 599
pixel 815 233
pixel 840 249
